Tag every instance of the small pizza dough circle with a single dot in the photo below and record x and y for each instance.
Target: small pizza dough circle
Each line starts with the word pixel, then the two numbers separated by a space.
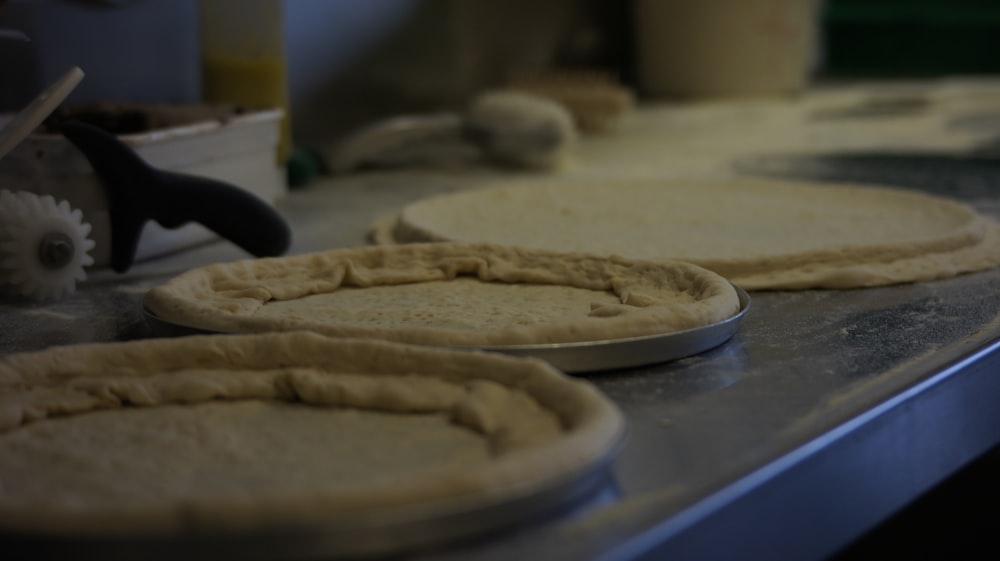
pixel 448 294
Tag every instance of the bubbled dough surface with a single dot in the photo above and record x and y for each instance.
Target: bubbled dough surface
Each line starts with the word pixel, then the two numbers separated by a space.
pixel 444 304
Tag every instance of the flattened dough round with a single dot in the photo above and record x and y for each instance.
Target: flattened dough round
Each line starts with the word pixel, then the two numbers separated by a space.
pixel 448 294
pixel 242 433
pixel 760 234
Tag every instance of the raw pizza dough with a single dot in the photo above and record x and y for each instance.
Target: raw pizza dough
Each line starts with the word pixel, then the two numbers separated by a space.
pixel 758 234
pixel 448 294
pixel 248 432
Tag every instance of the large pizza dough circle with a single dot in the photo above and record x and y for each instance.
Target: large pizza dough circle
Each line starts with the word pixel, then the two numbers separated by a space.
pixel 448 294
pixel 759 234
pixel 285 430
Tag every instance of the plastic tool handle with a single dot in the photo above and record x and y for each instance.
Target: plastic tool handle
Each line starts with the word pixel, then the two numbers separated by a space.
pixel 139 192
pixel 233 213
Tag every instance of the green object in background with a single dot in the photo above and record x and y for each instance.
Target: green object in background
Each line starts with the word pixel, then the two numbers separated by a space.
pixel 911 37
pixel 302 167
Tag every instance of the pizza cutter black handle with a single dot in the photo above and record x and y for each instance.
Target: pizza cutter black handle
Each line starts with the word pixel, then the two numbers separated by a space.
pixel 138 193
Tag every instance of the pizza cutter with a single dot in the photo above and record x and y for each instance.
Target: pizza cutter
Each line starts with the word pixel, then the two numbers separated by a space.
pixel 44 243
pixel 138 192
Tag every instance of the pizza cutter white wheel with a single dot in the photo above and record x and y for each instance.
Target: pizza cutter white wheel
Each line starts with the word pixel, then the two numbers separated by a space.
pixel 43 245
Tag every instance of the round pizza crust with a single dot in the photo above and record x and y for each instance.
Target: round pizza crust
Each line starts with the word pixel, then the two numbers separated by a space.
pixel 448 294
pixel 247 433
pixel 760 234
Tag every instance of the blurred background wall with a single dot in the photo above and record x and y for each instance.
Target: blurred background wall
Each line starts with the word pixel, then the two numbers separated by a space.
pixel 350 61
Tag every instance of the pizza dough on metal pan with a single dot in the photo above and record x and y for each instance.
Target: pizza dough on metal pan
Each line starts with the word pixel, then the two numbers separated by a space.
pixel 448 294
pixel 760 234
pixel 240 433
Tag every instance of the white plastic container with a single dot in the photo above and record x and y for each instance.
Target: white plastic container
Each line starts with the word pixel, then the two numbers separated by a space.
pixel 238 150
pixel 243 58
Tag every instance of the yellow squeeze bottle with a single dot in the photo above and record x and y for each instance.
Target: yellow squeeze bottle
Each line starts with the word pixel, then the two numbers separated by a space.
pixel 243 58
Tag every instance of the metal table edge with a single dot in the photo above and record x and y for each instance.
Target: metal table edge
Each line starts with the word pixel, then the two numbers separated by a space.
pixel 805 504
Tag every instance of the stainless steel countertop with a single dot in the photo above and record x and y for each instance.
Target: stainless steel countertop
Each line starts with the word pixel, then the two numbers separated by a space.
pixel 825 413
